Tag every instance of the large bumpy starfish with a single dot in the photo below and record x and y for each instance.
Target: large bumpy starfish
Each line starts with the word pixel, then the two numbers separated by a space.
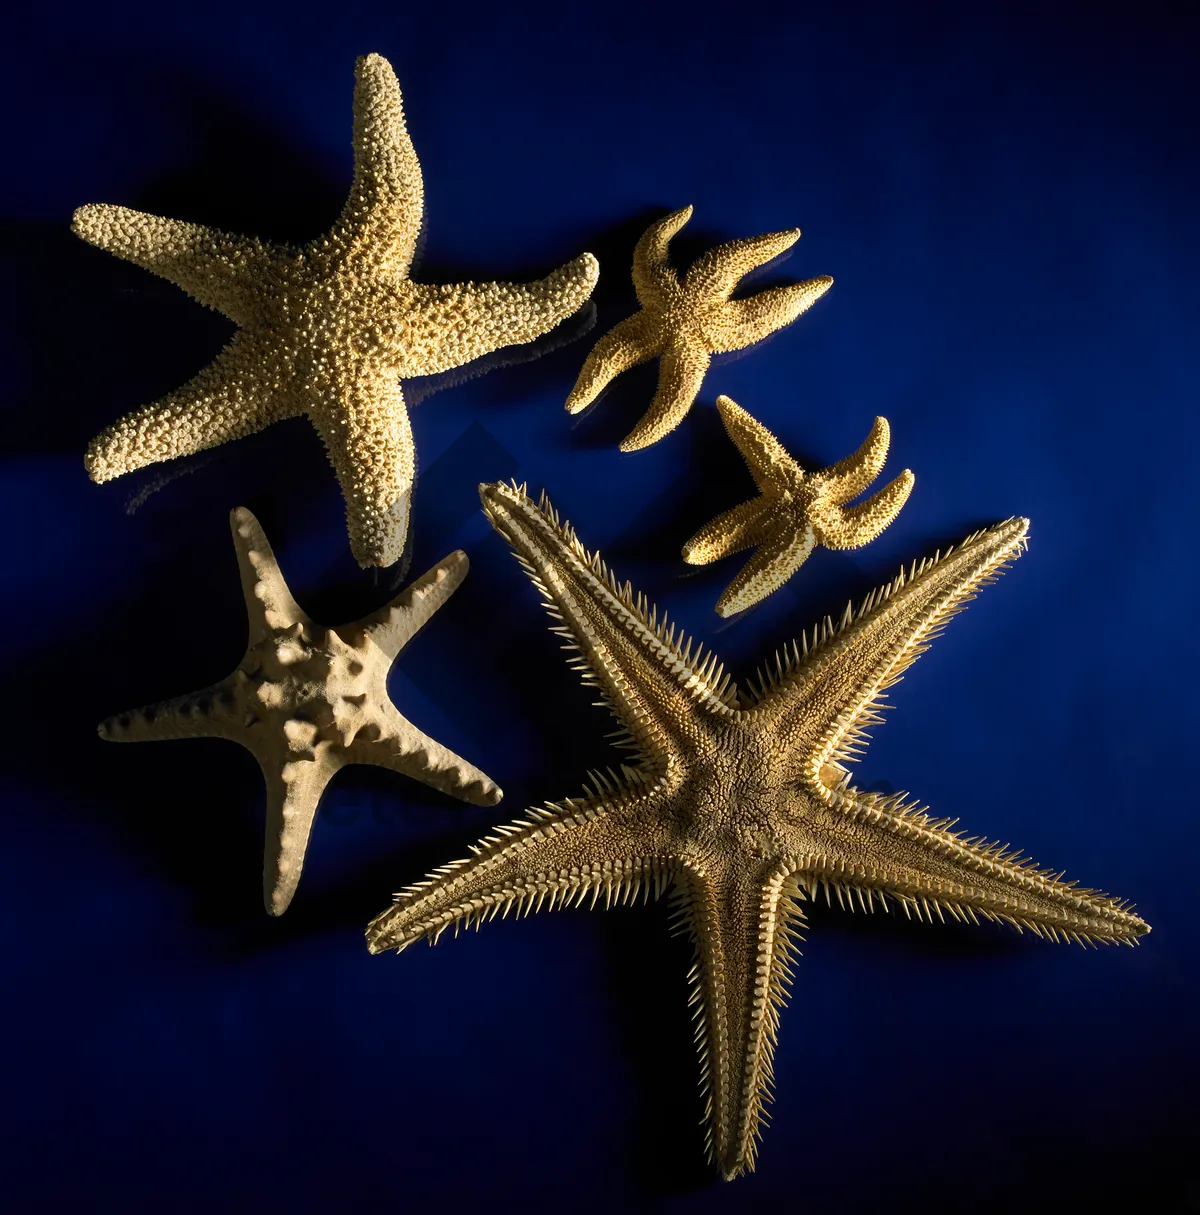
pixel 328 330
pixel 685 324
pixel 307 700
pixel 742 802
pixel 794 511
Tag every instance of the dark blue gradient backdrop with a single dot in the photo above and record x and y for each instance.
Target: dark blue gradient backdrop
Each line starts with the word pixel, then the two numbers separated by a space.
pixel 1006 198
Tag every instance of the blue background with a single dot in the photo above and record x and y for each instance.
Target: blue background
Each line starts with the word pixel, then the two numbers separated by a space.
pixel 1007 202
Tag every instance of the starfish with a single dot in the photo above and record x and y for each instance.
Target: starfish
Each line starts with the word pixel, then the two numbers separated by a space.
pixel 742 802
pixel 327 330
pixel 685 324
pixel 307 700
pixel 794 511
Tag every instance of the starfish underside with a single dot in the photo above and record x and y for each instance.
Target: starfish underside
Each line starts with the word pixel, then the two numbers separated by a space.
pixel 307 700
pixel 685 324
pixel 328 330
pixel 742 803
pixel 794 511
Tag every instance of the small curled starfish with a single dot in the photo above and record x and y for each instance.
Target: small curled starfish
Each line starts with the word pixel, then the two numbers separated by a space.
pixel 307 700
pixel 685 324
pixel 794 511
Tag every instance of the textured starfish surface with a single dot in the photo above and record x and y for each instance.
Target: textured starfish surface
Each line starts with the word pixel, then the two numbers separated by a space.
pixel 794 511
pixel 685 324
pixel 742 802
pixel 307 700
pixel 327 330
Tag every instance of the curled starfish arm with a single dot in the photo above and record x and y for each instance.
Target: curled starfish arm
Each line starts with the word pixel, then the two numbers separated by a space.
pixel 382 216
pixel 777 559
pixel 626 345
pixel 220 403
pixel 609 849
pixel 680 373
pixel 745 926
pixel 767 459
pixel 743 526
pixel 716 273
pixel 741 323
pixel 457 322
pixel 369 440
pixel 217 269
pixel 850 476
pixel 269 602
pixel 854 526
pixel 293 791
pixel 653 278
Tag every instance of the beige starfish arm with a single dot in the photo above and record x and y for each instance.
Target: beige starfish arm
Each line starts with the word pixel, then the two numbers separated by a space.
pixel 651 677
pixel 293 790
pixel 269 602
pixel 713 275
pixel 825 697
pixel 741 323
pixel 217 269
pixel 559 854
pixel 742 526
pixel 382 216
pixel 850 476
pixel 456 322
pixel 681 371
pixel 368 436
pixel 854 526
pixel 861 848
pixel 779 556
pixel 209 713
pixel 633 341
pixel 766 458
pixel 745 927
pixel 653 278
pixel 396 623
pixel 225 401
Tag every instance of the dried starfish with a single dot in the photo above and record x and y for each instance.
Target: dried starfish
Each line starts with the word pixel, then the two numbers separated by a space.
pixel 742 802
pixel 307 700
pixel 684 325
pixel 328 330
pixel 794 511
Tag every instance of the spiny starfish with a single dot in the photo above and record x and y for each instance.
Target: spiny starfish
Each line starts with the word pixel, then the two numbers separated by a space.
pixel 307 700
pixel 328 330
pixel 794 511
pixel 685 324
pixel 742 802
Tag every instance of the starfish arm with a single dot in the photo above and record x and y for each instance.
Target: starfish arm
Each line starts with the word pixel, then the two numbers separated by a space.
pixel 293 790
pixel 681 371
pixel 611 848
pixel 396 623
pixel 382 216
pixel 269 602
pixel 741 323
pixel 633 341
pixel 713 275
pixel 743 526
pixel 368 436
pixel 744 928
pixel 854 526
pixel 653 680
pixel 225 401
pixel 822 698
pixel 653 279
pixel 767 459
pixel 454 323
pixel 209 713
pixel 217 269
pixel 850 476
pixel 778 558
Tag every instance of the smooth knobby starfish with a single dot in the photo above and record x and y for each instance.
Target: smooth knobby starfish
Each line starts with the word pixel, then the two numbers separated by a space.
pixel 742 802
pixel 685 324
pixel 794 511
pixel 308 700
pixel 328 330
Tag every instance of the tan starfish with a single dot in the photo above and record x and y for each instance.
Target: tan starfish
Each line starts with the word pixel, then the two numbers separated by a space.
pixel 794 511
pixel 742 802
pixel 307 700
pixel 685 324
pixel 328 330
